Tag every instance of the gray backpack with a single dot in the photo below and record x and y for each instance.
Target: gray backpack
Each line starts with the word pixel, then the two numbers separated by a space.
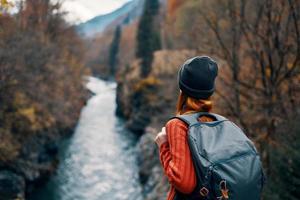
pixel 227 163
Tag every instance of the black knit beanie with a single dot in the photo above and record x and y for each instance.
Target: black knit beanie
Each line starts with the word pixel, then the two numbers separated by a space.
pixel 197 77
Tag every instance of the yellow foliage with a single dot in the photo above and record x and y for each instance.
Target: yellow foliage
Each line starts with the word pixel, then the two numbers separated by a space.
pixel 29 113
pixel 290 65
pixel 144 83
pixel 33 112
pixel 5 5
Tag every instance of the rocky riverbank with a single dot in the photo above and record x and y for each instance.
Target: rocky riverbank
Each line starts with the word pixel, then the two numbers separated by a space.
pixel 153 181
pixel 36 161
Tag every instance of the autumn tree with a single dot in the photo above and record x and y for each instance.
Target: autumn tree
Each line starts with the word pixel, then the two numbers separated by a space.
pixel 41 72
pixel 261 50
pixel 257 46
pixel 148 36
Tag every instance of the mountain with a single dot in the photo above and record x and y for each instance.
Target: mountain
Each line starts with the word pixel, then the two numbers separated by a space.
pixel 124 15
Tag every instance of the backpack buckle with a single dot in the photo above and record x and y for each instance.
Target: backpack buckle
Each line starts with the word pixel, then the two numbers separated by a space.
pixel 204 191
pixel 224 190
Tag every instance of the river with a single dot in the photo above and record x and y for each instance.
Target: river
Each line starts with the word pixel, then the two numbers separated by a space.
pixel 99 161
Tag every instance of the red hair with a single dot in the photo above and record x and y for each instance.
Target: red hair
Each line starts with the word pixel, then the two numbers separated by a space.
pixel 187 104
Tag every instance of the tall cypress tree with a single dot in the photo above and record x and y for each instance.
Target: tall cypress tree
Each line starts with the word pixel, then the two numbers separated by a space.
pixel 148 37
pixel 114 50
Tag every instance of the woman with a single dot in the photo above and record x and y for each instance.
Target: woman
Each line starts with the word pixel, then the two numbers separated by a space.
pixel 196 82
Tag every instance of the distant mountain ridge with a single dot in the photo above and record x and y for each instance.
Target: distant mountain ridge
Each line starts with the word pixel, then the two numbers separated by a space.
pixel 124 15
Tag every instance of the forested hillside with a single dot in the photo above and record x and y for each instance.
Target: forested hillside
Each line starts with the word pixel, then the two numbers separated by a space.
pixel 99 45
pixel 124 15
pixel 41 91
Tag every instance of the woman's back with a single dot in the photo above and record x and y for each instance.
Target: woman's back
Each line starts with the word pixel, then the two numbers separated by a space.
pixel 176 159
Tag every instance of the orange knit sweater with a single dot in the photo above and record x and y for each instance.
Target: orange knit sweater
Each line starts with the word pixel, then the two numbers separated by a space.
pixel 176 160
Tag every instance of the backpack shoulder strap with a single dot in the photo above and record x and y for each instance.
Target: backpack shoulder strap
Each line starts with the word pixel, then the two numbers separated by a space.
pixel 192 119
pixel 189 119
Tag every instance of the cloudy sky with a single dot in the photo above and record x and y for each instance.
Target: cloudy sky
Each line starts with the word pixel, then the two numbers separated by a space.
pixel 83 10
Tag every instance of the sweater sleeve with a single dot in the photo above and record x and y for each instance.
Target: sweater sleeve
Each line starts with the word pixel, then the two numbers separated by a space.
pixel 175 157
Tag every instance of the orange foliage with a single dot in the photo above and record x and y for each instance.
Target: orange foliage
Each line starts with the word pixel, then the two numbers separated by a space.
pixel 173 5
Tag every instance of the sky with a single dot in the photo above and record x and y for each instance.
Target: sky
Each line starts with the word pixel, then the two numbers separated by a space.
pixel 83 10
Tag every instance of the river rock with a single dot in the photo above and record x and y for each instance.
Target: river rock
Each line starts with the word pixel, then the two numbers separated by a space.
pixel 12 186
pixel 147 156
pixel 154 183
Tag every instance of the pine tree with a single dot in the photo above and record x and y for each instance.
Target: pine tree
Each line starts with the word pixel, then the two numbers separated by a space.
pixel 148 37
pixel 114 50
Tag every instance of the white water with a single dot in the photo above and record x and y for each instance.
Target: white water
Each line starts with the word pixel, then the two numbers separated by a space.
pixel 98 162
